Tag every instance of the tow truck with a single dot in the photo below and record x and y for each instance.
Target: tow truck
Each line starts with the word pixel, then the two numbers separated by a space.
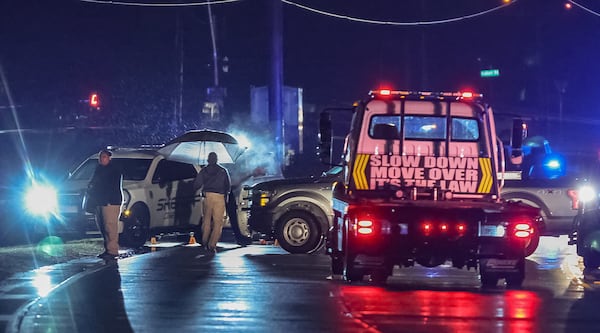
pixel 421 186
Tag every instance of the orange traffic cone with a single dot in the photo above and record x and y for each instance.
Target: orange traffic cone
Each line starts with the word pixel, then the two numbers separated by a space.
pixel 192 240
pixel 153 240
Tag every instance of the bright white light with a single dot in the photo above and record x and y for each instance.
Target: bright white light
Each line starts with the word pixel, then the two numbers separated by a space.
pixel 41 199
pixel 553 164
pixel 587 193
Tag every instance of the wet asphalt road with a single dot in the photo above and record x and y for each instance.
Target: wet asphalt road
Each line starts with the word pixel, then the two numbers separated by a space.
pixel 261 288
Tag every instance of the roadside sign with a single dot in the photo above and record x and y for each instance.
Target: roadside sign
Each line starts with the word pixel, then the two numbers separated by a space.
pixel 489 72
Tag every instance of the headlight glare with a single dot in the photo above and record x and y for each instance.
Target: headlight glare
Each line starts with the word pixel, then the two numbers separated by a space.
pixel 587 194
pixel 41 199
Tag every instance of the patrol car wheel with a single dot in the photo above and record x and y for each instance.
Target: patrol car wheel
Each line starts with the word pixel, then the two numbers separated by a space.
pixel 136 229
pixel 298 232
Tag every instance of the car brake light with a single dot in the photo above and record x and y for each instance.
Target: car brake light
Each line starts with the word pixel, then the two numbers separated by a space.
pixel 523 230
pixel 461 228
pixel 467 94
pixel 385 92
pixel 444 227
pixel 365 227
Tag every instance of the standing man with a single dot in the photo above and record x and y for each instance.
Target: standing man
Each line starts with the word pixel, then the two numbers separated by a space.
pixel 106 188
pixel 215 183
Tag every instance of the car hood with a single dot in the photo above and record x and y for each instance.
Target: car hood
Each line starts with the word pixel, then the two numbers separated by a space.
pixel 296 181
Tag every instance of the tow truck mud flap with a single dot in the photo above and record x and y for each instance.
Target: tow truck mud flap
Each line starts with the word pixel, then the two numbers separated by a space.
pixel 494 265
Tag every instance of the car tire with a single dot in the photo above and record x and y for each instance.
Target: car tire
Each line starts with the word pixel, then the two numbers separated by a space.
pixel 136 229
pixel 591 261
pixel 533 244
pixel 351 273
pixel 242 234
pixel 488 279
pixel 298 232
pixel 379 276
pixel 515 280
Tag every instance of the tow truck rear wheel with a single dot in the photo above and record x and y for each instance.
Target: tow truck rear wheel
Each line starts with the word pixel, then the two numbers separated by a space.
pixel 298 232
pixel 488 279
pixel 380 276
pixel 591 261
pixel 515 280
pixel 352 273
pixel 337 265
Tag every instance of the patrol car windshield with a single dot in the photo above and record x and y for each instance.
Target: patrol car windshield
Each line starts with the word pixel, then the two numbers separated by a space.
pixel 423 128
pixel 133 169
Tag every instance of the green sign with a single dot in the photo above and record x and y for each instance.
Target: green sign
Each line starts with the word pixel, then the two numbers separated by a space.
pixel 490 72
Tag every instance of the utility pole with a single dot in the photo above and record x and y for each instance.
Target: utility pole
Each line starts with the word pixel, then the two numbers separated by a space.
pixel 214 46
pixel 177 116
pixel 276 84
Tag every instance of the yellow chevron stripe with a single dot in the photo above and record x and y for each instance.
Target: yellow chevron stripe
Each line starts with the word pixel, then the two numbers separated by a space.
pixel 488 164
pixel 360 178
pixel 486 181
pixel 362 174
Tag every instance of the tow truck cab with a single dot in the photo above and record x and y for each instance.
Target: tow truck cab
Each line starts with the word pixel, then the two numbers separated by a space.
pixel 421 186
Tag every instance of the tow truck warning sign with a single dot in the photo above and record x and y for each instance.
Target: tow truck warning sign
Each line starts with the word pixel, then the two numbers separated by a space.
pixel 457 174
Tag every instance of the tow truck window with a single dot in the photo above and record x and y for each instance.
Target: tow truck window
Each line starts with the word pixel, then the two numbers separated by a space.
pixel 420 127
pixel 388 122
pixel 424 128
pixel 465 129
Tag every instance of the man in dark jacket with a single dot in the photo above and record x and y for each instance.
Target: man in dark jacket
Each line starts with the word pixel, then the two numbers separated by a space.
pixel 215 183
pixel 106 188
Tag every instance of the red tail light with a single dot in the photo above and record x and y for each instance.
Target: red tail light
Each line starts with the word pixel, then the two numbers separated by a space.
pixel 523 230
pixel 427 228
pixel 461 228
pixel 385 92
pixel 444 227
pixel 365 227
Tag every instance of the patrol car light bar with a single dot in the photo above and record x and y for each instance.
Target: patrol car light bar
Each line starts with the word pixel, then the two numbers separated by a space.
pixel 464 95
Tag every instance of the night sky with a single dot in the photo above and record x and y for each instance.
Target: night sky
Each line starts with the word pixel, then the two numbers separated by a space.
pixel 54 53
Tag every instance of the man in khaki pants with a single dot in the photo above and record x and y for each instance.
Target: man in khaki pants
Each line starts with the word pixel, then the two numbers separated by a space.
pixel 215 183
pixel 106 189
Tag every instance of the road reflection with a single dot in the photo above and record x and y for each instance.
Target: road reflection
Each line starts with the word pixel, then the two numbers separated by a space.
pixel 441 311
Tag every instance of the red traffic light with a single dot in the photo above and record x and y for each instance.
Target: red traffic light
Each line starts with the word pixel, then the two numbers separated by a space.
pixel 94 100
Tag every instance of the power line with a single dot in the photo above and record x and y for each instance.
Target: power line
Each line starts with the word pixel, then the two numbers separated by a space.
pixel 363 20
pixel 149 4
pixel 584 8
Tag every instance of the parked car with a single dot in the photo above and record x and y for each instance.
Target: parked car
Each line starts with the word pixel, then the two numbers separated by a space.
pixel 158 196
pixel 295 211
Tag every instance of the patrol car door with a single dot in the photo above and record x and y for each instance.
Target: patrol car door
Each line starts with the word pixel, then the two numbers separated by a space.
pixel 177 204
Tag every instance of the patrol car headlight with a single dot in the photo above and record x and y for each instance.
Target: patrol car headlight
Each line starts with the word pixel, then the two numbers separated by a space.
pixel 587 194
pixel 41 199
